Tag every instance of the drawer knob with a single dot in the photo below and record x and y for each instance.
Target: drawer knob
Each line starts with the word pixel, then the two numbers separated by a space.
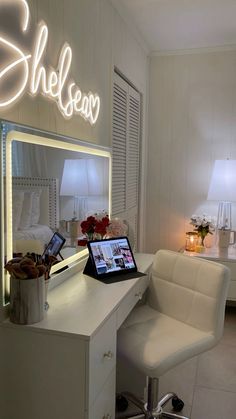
pixel 139 295
pixel 108 355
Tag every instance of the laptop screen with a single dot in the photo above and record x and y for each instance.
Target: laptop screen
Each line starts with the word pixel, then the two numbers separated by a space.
pixel 112 256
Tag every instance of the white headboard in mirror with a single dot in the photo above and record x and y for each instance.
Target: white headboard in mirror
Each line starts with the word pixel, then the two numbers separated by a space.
pixel 32 174
pixel 49 194
pixel 42 220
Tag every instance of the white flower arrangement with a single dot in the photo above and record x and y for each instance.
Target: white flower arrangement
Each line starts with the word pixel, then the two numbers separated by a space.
pixel 203 224
pixel 203 221
pixel 117 228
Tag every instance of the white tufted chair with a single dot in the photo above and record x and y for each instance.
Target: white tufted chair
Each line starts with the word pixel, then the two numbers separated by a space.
pixel 182 317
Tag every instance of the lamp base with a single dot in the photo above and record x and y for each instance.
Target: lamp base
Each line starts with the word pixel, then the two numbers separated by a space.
pixel 224 238
pixel 224 219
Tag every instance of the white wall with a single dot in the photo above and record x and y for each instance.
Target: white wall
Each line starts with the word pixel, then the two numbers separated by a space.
pixel 192 122
pixel 100 40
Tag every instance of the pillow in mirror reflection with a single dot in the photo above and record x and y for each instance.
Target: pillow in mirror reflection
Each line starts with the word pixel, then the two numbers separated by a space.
pixel 30 213
pixel 35 214
pixel 18 198
pixel 25 219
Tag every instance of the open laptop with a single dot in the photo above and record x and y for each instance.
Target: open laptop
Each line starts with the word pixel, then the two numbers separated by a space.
pixel 111 260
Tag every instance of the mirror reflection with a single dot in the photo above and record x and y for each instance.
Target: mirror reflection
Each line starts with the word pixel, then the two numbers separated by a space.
pixel 54 190
pixel 51 186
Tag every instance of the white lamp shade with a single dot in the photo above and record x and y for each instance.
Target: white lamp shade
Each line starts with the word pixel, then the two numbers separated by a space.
pixel 74 178
pixel 83 177
pixel 96 181
pixel 223 181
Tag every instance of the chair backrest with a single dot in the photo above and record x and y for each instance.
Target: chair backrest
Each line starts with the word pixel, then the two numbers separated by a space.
pixel 189 289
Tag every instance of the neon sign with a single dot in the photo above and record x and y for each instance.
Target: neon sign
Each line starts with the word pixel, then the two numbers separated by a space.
pixel 36 79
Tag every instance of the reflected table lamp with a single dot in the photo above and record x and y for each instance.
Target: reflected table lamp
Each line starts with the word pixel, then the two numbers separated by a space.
pixel 81 178
pixel 223 189
pixel 75 182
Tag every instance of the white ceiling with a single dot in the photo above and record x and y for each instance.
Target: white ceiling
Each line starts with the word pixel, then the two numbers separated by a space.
pixel 169 25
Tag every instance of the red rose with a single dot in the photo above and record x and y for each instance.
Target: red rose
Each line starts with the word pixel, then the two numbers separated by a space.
pixel 92 225
pixel 91 219
pixel 106 221
pixel 100 228
pixel 88 225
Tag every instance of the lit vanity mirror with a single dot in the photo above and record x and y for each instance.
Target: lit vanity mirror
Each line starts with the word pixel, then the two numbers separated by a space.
pixel 50 184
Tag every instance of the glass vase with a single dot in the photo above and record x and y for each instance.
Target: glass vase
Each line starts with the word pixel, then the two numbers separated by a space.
pixel 202 239
pixel 89 236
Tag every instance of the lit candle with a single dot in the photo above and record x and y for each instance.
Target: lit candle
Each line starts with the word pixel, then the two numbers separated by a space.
pixel 191 241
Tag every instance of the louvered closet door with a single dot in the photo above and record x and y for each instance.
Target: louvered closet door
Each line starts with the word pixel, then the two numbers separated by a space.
pixel 125 152
pixel 119 154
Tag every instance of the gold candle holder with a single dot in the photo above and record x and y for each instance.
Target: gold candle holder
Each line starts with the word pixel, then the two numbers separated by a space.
pixel 191 241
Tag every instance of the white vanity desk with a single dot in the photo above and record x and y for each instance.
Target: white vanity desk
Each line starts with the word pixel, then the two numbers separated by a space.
pixel 65 366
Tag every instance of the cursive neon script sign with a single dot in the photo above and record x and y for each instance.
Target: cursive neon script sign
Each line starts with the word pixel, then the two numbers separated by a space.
pixel 56 85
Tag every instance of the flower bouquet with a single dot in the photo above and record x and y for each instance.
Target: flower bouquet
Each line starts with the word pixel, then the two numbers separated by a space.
pixel 116 228
pixel 203 224
pixel 95 226
pixel 100 226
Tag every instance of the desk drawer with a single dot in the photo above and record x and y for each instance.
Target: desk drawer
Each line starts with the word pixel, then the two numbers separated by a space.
pixel 104 405
pixel 102 356
pixel 131 300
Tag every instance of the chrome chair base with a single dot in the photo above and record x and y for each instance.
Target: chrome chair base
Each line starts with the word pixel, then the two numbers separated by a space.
pixel 153 409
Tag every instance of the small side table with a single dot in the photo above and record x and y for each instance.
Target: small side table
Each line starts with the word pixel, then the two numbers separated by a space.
pixel 225 256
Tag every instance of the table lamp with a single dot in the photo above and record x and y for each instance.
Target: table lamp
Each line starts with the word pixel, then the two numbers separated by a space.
pixel 75 182
pixel 223 189
pixel 82 178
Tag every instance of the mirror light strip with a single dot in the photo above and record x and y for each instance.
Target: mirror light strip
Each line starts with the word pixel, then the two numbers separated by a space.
pixel 49 142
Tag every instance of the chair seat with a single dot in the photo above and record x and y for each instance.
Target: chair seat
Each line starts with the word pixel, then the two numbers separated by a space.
pixel 155 342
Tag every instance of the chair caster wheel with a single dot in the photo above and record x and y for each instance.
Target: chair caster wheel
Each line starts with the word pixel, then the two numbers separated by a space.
pixel 121 403
pixel 177 404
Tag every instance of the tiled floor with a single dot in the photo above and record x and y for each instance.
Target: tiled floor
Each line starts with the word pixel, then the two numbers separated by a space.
pixel 214 394
pixel 206 383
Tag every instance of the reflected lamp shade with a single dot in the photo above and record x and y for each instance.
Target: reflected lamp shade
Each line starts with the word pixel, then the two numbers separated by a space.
pixel 223 189
pixel 74 178
pixel 83 178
